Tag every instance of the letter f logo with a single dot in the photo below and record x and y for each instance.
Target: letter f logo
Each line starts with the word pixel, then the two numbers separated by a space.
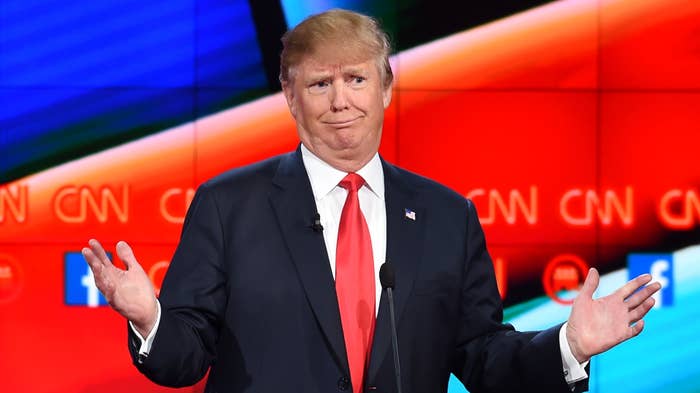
pixel 660 266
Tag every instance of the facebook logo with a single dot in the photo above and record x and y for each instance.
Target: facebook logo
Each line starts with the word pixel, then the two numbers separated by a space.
pixel 660 266
pixel 80 283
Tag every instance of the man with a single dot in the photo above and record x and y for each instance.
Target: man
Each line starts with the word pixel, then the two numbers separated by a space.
pixel 273 286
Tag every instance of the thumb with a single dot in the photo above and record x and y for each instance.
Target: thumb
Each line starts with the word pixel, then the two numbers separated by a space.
pixel 127 256
pixel 591 284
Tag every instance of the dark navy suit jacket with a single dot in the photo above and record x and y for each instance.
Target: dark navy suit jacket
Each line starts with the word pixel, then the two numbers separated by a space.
pixel 250 295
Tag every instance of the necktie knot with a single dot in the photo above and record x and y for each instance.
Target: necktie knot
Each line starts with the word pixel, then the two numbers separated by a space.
pixel 352 182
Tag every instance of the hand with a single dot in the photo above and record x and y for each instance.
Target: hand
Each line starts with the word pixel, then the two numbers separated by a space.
pixel 597 325
pixel 129 292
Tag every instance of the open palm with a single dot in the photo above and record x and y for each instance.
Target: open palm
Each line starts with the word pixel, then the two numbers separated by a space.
pixel 129 292
pixel 596 325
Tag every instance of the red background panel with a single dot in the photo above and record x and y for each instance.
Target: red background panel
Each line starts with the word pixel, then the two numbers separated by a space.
pixel 65 203
pixel 44 335
pixel 650 142
pixel 242 135
pixel 524 265
pixel 552 46
pixel 505 141
pixel 650 44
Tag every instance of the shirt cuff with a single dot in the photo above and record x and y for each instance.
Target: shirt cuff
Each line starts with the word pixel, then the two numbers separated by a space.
pixel 573 370
pixel 148 342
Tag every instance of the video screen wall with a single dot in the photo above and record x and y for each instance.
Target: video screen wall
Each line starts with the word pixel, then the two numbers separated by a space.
pixel 574 126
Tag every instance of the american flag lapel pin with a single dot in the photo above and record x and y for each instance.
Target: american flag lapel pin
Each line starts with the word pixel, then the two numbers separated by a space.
pixel 410 214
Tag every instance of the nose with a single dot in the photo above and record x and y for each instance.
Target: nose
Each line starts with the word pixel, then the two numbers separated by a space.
pixel 338 96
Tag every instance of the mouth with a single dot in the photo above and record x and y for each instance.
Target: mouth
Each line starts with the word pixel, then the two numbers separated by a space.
pixel 342 123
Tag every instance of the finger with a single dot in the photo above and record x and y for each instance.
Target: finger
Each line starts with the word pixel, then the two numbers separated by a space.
pixel 626 290
pixel 92 260
pixel 639 312
pixel 591 283
pixel 100 271
pixel 642 295
pixel 99 252
pixel 126 254
pixel 635 329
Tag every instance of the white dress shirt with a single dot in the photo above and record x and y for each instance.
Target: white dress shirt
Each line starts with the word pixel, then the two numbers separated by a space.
pixel 330 198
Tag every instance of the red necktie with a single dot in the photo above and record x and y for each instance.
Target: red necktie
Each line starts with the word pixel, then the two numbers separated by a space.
pixel 354 281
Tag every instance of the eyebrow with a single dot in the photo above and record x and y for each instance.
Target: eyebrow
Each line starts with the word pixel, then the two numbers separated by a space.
pixel 316 75
pixel 355 70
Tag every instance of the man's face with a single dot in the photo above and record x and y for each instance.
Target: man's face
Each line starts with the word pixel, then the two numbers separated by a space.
pixel 338 108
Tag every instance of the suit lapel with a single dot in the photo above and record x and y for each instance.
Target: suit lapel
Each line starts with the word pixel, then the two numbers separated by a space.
pixel 294 205
pixel 404 247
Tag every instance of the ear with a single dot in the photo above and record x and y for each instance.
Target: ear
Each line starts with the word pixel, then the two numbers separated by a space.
pixel 288 91
pixel 386 95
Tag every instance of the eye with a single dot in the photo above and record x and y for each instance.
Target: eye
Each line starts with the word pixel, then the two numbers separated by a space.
pixel 357 82
pixel 318 87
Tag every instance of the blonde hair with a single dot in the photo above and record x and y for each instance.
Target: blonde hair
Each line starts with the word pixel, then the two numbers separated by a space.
pixel 357 36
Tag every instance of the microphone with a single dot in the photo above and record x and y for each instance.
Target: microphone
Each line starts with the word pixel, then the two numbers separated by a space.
pixel 316 226
pixel 387 278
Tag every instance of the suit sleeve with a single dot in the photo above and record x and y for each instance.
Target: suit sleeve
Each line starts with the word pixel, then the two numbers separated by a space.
pixel 193 298
pixel 491 356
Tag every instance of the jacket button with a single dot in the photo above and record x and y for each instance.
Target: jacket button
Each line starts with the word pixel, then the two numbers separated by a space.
pixel 343 383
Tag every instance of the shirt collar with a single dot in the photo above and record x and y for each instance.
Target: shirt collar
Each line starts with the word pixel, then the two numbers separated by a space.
pixel 324 178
